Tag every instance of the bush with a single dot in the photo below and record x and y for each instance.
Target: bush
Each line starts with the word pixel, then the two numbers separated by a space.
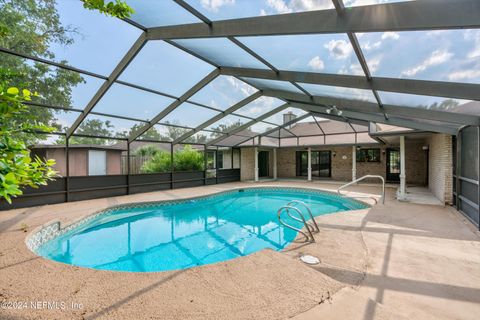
pixel 188 159
pixel 160 162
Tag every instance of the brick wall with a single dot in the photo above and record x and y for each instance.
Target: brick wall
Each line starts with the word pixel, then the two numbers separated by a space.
pixel 342 163
pixel 440 167
pixel 247 164
pixel 416 163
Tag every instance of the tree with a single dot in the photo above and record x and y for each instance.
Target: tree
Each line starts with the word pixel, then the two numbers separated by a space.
pixel 118 9
pixel 31 27
pixel 173 132
pixel 147 151
pixel 17 168
pixel 150 134
pixel 225 128
pixel 92 128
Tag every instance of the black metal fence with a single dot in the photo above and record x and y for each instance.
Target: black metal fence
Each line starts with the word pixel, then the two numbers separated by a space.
pixel 92 187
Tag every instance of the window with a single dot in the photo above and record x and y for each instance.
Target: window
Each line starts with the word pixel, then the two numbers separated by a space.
pixel 97 163
pixel 368 155
pixel 236 158
pixel 211 155
pixel 220 156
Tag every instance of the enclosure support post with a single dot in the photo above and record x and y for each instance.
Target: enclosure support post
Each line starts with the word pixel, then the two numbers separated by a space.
pixel 215 163
pixel 128 167
pixel 402 191
pixel 354 163
pixel 309 168
pixel 171 166
pixel 67 161
pixel 205 168
pixel 256 163
pixel 275 163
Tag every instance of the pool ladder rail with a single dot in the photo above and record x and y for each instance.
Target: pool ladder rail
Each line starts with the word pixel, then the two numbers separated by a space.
pixel 360 179
pixel 311 228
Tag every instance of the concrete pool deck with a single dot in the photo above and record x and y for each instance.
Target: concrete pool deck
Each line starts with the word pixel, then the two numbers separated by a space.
pixel 392 261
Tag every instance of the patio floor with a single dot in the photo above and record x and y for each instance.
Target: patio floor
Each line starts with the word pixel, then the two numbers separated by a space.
pixel 393 261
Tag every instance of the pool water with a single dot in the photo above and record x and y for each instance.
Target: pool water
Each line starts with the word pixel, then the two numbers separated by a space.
pixel 190 233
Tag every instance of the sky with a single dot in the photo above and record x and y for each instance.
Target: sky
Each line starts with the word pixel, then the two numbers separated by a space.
pixel 101 42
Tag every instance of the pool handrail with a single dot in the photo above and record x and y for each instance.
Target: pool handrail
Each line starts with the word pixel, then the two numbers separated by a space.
pixel 363 178
pixel 308 237
pixel 315 225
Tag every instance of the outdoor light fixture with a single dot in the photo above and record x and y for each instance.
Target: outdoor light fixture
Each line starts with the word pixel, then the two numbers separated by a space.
pixel 334 110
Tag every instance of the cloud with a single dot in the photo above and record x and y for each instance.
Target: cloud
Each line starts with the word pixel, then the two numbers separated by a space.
pixel 473 36
pixel 464 75
pixel 368 46
pixel 390 35
pixel 339 49
pixel 214 5
pixel 356 69
pixel 363 2
pixel 316 63
pixel 437 57
pixel 241 86
pixel 285 6
pixel 374 63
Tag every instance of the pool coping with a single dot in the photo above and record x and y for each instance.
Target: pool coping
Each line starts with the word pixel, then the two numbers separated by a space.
pixel 53 229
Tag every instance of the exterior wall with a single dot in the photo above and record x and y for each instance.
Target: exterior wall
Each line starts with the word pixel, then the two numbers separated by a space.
pixel 78 161
pixel 247 164
pixel 60 159
pixel 341 162
pixel 286 163
pixel 114 162
pixel 440 178
pixel 416 162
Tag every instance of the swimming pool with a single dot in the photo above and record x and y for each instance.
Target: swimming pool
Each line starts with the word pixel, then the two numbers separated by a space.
pixel 182 234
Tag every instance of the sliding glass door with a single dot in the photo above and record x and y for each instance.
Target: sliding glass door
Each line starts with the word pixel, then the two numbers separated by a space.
pixel 321 164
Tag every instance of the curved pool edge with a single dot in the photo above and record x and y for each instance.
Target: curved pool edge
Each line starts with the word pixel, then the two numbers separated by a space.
pixel 54 228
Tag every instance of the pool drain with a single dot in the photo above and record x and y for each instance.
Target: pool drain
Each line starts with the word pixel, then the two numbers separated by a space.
pixel 310 259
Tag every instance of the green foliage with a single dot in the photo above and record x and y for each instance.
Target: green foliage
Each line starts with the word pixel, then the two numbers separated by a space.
pixel 94 127
pixel 188 159
pixel 160 162
pixel 17 168
pixel 147 151
pixel 32 27
pixel 224 128
pixel 119 8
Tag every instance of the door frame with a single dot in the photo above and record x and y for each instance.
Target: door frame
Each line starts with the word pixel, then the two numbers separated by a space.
pixel 267 167
pixel 391 177
pixel 298 166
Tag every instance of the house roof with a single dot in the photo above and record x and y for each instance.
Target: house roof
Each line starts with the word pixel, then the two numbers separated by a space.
pixel 116 147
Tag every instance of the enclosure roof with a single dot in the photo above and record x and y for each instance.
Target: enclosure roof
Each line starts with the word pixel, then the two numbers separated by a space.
pixel 224 73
